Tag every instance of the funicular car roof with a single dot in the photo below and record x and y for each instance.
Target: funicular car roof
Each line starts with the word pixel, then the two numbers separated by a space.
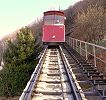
pixel 53 13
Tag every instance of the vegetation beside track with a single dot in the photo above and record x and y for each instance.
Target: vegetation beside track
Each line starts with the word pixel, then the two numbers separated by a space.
pixel 20 61
pixel 86 20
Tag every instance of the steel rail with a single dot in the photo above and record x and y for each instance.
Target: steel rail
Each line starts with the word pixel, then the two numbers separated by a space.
pixel 76 89
pixel 60 76
pixel 26 95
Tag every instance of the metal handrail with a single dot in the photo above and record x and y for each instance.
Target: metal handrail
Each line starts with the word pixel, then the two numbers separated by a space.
pixel 92 55
pixel 72 41
pixel 90 43
pixel 26 95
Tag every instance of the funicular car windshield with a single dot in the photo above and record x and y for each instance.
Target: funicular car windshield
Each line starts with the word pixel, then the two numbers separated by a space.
pixel 53 19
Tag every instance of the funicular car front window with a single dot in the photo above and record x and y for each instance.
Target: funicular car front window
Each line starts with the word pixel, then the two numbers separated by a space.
pixel 54 19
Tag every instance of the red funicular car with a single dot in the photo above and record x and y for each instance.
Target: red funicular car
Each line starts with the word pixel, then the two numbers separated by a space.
pixel 53 27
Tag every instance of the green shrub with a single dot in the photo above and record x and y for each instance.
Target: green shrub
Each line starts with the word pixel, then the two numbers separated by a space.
pixel 20 61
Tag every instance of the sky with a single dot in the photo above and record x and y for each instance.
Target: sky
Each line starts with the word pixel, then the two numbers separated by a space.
pixel 15 14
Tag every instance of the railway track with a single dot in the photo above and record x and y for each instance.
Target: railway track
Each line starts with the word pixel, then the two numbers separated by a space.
pixel 52 79
pixel 62 74
pixel 53 82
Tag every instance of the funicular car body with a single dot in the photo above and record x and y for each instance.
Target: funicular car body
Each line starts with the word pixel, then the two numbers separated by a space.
pixel 53 27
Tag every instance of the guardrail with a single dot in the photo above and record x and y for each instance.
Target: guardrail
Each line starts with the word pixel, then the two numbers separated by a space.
pixel 26 95
pixel 91 52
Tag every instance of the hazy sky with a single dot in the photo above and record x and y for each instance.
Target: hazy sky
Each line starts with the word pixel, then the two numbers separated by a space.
pixel 17 13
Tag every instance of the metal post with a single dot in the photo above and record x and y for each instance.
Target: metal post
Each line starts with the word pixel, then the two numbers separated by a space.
pixel 94 55
pixel 73 43
pixel 80 48
pixel 86 51
pixel 76 44
pixel 69 41
pixel 66 40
